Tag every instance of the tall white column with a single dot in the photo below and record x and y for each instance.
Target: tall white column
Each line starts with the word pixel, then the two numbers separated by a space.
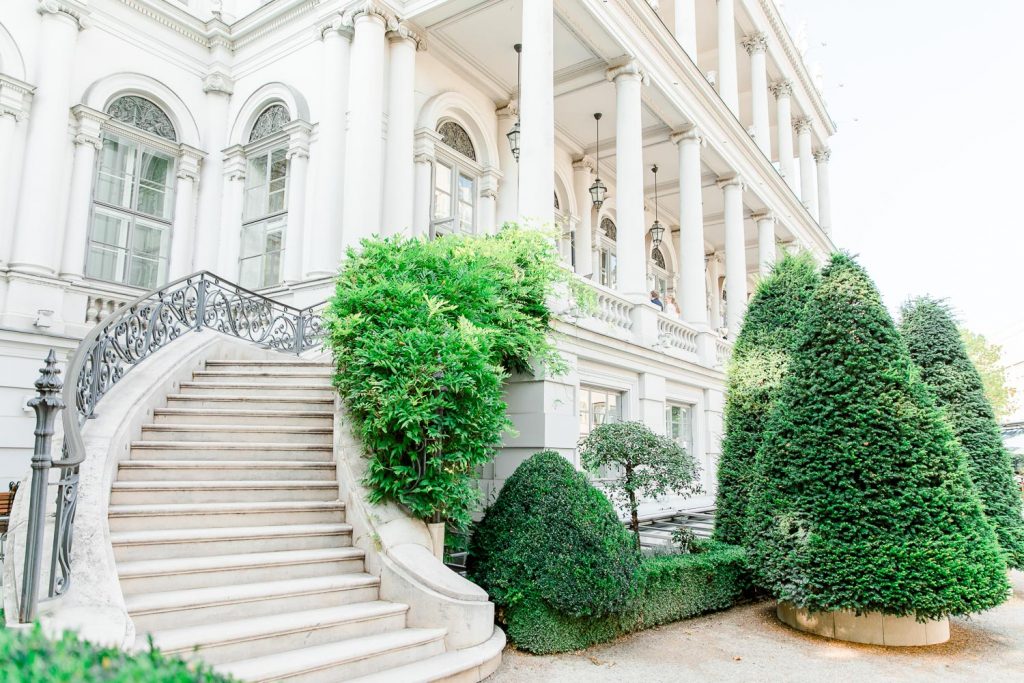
pixel 714 266
pixel 537 108
pixel 692 287
pixel 324 231
pixel 808 175
pixel 487 219
pixel 398 162
pixel 76 230
pixel 765 241
pixel 756 46
pixel 14 105
pixel 821 157
pixel 364 154
pixel 183 229
pixel 209 218
pixel 727 78
pixel 37 240
pixel 629 180
pixel 783 91
pixel 298 168
pixel 735 254
pixel 423 158
pixel 686 26
pixel 582 178
pixel 226 254
pixel 508 188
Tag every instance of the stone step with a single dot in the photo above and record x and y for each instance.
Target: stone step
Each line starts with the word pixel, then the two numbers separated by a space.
pixel 235 402
pixel 227 491
pixel 219 470
pixel 341 661
pixel 235 640
pixel 273 365
pixel 220 450
pixel 157 544
pixel 211 515
pixel 283 389
pixel 321 419
pixel 174 574
pixel 275 377
pixel 236 433
pixel 197 606
pixel 473 663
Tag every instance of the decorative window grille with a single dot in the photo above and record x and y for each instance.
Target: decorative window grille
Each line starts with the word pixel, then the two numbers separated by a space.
pixel 270 121
pixel 455 136
pixel 608 228
pixel 140 113
pixel 658 258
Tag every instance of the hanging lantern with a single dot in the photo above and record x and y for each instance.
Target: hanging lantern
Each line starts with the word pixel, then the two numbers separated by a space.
pixel 657 230
pixel 513 135
pixel 513 140
pixel 598 191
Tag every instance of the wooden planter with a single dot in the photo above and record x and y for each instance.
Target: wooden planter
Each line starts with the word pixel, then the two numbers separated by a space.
pixel 872 628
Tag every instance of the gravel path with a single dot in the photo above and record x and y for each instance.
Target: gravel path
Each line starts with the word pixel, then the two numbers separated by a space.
pixel 747 643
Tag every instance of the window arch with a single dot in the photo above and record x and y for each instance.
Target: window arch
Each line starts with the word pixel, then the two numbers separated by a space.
pixel 608 228
pixel 270 122
pixel 658 257
pixel 456 181
pixel 607 259
pixel 658 272
pixel 455 136
pixel 140 113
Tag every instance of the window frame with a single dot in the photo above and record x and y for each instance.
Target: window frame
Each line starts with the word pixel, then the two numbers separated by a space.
pixel 607 272
pixel 460 166
pixel 690 439
pixel 265 147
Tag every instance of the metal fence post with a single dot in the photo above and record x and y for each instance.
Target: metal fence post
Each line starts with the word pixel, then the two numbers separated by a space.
pixel 46 405
pixel 201 302
pixel 300 332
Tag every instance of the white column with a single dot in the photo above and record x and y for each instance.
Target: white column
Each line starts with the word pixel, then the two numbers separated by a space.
pixel 821 157
pixel 210 213
pixel 629 180
pixel 714 266
pixel 686 26
pixel 735 254
pixel 14 104
pixel 325 228
pixel 727 77
pixel 183 229
pixel 423 158
pixel 692 287
pixel 226 253
pixel 298 167
pixel 582 178
pixel 76 228
pixel 487 218
pixel 783 91
pixel 37 239
pixel 398 162
pixel 364 153
pixel 756 46
pixel 765 241
pixel 537 107
pixel 808 179
pixel 508 189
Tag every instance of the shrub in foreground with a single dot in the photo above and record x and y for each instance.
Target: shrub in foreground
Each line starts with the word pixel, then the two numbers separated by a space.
pixel 863 499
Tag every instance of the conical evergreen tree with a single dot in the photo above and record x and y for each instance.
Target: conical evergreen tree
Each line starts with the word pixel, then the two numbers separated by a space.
pixel 863 498
pixel 930 332
pixel 758 365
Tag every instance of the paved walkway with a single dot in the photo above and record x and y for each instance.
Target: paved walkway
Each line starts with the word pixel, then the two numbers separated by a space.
pixel 748 643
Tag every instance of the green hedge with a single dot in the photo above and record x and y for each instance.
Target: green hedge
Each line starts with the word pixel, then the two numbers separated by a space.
pixel 31 657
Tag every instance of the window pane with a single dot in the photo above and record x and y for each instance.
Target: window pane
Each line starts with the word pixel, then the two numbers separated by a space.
pixel 252 240
pixel 272 269
pixel 149 240
pixel 114 175
pixel 144 272
pixel 256 175
pixel 105 264
pixel 249 272
pixel 154 185
pixel 465 189
pixel 109 228
pixel 442 191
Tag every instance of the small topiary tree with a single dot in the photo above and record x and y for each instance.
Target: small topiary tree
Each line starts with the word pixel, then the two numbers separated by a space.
pixel 759 361
pixel 652 465
pixel 863 500
pixel 936 347
pixel 553 539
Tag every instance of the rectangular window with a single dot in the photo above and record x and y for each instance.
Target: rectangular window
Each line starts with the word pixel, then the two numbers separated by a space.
pixel 454 201
pixel 679 424
pixel 598 406
pixel 264 219
pixel 608 268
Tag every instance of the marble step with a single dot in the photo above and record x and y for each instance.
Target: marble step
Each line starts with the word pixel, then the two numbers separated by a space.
pixel 282 389
pixel 217 470
pixel 222 450
pixel 156 544
pixel 226 491
pixel 213 515
pixel 235 402
pixel 322 419
pixel 236 433
pixel 273 377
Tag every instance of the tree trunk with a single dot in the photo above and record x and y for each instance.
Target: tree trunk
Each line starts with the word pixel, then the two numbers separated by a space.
pixel 634 522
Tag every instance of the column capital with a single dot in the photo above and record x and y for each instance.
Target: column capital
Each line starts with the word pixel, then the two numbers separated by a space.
pixel 802 124
pixel 755 42
pixel 759 216
pixel 89 122
pixel 509 110
pixel 782 88
pixel 218 81
pixel 399 31
pixel 688 134
pixel 74 10
pixel 584 163
pixel 731 181
pixel 371 10
pixel 630 68
pixel 298 138
pixel 189 160
pixel 15 97
pixel 339 23
pixel 234 163
pixel 822 155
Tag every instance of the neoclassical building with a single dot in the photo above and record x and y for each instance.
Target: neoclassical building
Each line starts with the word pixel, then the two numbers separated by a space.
pixel 143 140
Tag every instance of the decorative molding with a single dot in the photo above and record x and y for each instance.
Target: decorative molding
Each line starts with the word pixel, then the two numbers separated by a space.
pixel 400 30
pixel 728 181
pixel 15 98
pixel 689 134
pixel 339 23
pixel 86 139
pixel 782 88
pixel 370 9
pixel 73 9
pixel 629 68
pixel 508 111
pixel 234 163
pixel 298 138
pixel 763 216
pixel 755 42
pixel 585 162
pixel 89 125
pixel 822 155
pixel 803 124
pixel 218 81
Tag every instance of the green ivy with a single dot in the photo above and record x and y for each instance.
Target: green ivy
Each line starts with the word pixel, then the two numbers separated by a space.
pixel 938 350
pixel 863 499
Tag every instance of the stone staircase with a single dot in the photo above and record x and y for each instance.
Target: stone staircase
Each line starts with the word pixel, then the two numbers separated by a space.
pixel 231 543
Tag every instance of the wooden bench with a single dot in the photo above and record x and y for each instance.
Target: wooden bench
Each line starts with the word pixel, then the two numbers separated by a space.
pixel 6 505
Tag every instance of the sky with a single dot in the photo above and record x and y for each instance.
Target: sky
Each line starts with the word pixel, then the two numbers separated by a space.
pixel 927 166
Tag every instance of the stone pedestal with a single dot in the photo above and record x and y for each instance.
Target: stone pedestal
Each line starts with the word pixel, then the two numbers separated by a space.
pixel 871 628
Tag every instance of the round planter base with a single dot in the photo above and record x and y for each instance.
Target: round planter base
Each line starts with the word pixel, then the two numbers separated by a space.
pixel 872 628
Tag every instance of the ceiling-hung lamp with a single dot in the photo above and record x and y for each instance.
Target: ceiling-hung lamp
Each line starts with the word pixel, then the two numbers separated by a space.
pixel 657 231
pixel 598 190
pixel 513 135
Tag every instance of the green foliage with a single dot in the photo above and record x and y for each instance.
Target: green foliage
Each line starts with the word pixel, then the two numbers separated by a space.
pixel 988 361
pixel 652 465
pixel 423 335
pixel 552 537
pixel 936 347
pixel 31 657
pixel 759 362
pixel 863 499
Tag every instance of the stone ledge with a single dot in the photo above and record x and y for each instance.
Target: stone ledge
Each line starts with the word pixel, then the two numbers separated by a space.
pixel 871 628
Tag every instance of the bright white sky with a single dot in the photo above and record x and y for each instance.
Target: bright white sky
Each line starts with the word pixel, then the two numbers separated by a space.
pixel 926 169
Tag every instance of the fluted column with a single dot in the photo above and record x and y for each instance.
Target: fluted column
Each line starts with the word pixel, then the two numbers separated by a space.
pixel 183 229
pixel 537 111
pixel 324 231
pixel 727 77
pixel 209 226
pixel 364 155
pixel 398 163
pixel 686 26
pixel 821 158
pixel 76 229
pixel 508 189
pixel 808 175
pixel 298 167
pixel 629 180
pixel 582 177
pixel 37 240
pixel 765 241
pixel 692 287
pixel 735 254
pixel 225 256
pixel 783 91
pixel 756 46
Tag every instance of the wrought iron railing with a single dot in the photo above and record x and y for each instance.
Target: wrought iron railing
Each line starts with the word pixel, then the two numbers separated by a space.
pixel 125 338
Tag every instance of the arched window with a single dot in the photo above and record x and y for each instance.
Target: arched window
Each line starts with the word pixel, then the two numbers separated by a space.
pixel 133 196
pixel 659 271
pixel 606 253
pixel 456 137
pixel 455 182
pixel 265 211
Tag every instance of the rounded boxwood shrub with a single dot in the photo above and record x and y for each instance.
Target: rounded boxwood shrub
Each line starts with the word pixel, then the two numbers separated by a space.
pixel 759 361
pixel 863 499
pixel 554 538
pixel 936 347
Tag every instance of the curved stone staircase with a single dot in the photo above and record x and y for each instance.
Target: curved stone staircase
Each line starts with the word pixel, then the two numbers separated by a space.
pixel 231 543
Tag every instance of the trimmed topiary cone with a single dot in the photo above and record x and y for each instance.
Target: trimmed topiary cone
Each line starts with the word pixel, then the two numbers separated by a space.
pixel 935 345
pixel 863 500
pixel 759 362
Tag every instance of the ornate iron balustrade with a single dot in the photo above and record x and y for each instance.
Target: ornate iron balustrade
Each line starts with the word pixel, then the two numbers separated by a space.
pixel 125 338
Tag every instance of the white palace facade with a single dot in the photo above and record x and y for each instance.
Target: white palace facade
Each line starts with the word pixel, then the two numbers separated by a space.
pixel 142 140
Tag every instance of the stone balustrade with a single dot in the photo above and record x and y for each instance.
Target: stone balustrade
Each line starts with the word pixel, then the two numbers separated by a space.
pixel 723 351
pixel 675 334
pixel 613 309
pixel 99 307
